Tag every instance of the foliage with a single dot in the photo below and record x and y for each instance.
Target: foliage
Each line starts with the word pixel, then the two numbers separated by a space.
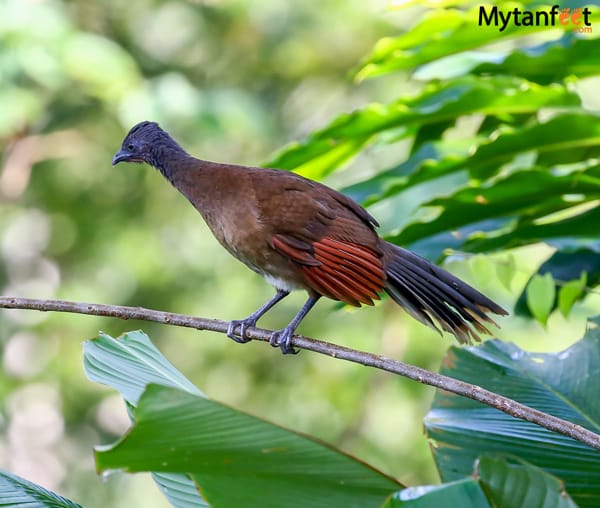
pixel 198 444
pixel 269 461
pixel 524 171
pixel 273 466
pixel 460 428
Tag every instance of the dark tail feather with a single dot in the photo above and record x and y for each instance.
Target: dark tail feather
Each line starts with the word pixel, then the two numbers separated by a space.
pixel 433 296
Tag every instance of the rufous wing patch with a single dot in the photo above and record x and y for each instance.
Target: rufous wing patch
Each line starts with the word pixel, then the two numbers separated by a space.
pixel 339 270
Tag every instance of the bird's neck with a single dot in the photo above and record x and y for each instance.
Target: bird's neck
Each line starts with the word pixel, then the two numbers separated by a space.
pixel 202 182
pixel 170 160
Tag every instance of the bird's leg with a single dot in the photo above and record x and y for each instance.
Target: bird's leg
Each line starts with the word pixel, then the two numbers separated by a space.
pixel 283 337
pixel 250 321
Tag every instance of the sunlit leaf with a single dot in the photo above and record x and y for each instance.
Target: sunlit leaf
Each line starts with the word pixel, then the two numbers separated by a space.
pixel 438 34
pixel 431 161
pixel 506 269
pixel 574 267
pixel 544 63
pixel 565 138
pixel 532 193
pixel 570 292
pixel 438 102
pixel 572 232
pixel 321 166
pixel 541 293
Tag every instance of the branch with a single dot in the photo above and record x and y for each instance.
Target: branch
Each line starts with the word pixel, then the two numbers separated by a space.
pixel 448 384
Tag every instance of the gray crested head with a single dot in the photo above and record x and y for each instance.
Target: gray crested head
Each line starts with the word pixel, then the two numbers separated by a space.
pixel 147 142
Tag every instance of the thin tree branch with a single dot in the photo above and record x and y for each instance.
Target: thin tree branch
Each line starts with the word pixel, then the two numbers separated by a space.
pixel 449 384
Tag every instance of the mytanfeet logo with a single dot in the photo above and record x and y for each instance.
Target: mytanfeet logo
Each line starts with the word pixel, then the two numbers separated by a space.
pixel 578 19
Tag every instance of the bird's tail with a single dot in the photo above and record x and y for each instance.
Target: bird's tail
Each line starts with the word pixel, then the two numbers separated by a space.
pixel 430 293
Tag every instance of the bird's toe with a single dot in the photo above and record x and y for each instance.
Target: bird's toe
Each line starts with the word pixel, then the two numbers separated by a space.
pixel 283 340
pixel 240 337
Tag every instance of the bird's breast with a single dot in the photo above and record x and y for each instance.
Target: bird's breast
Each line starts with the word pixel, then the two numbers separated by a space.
pixel 246 238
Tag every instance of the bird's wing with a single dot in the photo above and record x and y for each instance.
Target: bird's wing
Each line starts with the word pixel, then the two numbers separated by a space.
pixel 327 236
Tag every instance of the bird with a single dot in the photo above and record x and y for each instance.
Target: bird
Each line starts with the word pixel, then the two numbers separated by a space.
pixel 301 234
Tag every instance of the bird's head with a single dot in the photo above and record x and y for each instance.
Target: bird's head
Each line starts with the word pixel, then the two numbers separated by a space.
pixel 146 142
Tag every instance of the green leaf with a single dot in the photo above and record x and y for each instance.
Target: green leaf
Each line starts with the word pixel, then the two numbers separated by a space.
pixel 270 466
pixel 438 34
pixel 430 161
pixel 544 63
pixel 551 61
pixel 498 481
pixel 519 485
pixel 541 293
pixel 330 155
pixel 465 493
pixel 128 364
pixel 506 269
pixel 568 266
pixel 563 384
pixel 570 292
pixel 437 103
pixel 577 230
pixel 532 194
pixel 563 139
pixel 179 489
pixel 16 492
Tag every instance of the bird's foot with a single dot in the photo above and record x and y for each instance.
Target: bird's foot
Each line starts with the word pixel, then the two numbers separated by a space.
pixel 244 325
pixel 283 339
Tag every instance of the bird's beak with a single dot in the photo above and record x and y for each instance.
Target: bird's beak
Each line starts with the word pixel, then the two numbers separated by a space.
pixel 120 156
pixel 125 156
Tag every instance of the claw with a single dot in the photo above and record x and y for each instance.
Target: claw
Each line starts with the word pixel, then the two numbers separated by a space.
pixel 244 325
pixel 283 340
pixel 251 320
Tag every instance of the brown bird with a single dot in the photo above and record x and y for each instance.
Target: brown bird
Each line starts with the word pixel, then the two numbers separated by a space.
pixel 300 234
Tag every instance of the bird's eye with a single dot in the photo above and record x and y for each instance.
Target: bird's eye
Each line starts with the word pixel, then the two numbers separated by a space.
pixel 131 147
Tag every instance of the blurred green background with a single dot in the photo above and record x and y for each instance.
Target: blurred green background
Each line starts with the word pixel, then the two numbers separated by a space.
pixel 233 81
